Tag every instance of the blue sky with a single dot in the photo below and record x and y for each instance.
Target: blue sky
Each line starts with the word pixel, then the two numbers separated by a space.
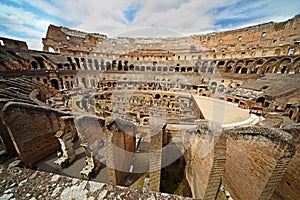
pixel 28 19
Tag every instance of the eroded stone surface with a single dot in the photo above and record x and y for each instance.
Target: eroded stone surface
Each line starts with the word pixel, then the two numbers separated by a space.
pixel 42 185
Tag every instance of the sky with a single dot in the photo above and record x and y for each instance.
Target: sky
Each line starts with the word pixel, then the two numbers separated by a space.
pixel 28 20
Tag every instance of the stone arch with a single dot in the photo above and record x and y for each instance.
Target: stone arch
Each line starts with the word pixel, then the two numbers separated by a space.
pixel 198 66
pixel 67 85
pixel 54 83
pixel 297 65
pixel 182 69
pixel 210 70
pixel 77 63
pixel 60 66
pixel 221 88
pixel 229 66
pixel 228 69
pixel 244 70
pixel 189 69
pixel 284 66
pixel 90 63
pixel 120 66
pixel 214 84
pixel 84 82
pixel 84 63
pixel 237 69
pixel 131 67
pixel 221 63
pixel 165 69
pixel 33 65
pixel 260 100
pixel 267 67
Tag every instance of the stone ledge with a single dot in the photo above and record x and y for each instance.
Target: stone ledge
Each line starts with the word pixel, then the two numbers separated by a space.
pixel 20 183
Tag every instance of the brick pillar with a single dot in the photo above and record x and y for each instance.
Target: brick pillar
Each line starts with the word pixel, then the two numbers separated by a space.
pixel 109 154
pixel 217 169
pixel 275 178
pixel 155 160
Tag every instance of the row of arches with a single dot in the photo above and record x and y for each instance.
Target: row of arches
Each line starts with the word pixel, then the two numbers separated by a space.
pixel 254 66
pixel 262 66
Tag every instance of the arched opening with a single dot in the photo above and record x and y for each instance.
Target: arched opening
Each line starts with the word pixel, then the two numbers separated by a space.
pixel 66 66
pixel 120 67
pixel 142 68
pixel 165 69
pixel 244 70
pixel 131 67
pixel 83 81
pixel 221 63
pixel 283 69
pixel 96 64
pixel 210 70
pixel 54 83
pixel 221 88
pixel 237 70
pixel 228 69
pixel 33 65
pixel 157 96
pixel 77 62
pixel 84 63
pixel 108 66
pixel 67 85
pixel 183 69
pixel 189 69
pixel 203 69
pixel 90 61
pixel 260 100
pixel 214 84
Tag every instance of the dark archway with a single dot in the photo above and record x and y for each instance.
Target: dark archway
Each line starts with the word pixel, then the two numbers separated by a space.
pixel 34 65
pixel 54 83
pixel 237 70
pixel 244 70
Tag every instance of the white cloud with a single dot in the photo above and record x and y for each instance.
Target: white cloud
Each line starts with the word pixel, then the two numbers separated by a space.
pixel 107 17
pixel 33 43
pixel 18 20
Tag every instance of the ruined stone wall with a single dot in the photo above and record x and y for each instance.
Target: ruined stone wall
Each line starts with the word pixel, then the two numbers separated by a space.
pixel 14 44
pixel 32 129
pixel 288 188
pixel 256 159
pixel 22 183
pixel 205 159
pixel 135 105
pixel 267 39
pixel 120 147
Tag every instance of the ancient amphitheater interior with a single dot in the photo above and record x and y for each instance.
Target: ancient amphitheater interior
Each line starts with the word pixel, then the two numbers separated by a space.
pixel 212 116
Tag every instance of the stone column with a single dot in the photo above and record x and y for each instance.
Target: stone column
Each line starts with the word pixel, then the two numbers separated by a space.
pixel 155 160
pixel 275 178
pixel 157 124
pixel 217 168
pixel 109 154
